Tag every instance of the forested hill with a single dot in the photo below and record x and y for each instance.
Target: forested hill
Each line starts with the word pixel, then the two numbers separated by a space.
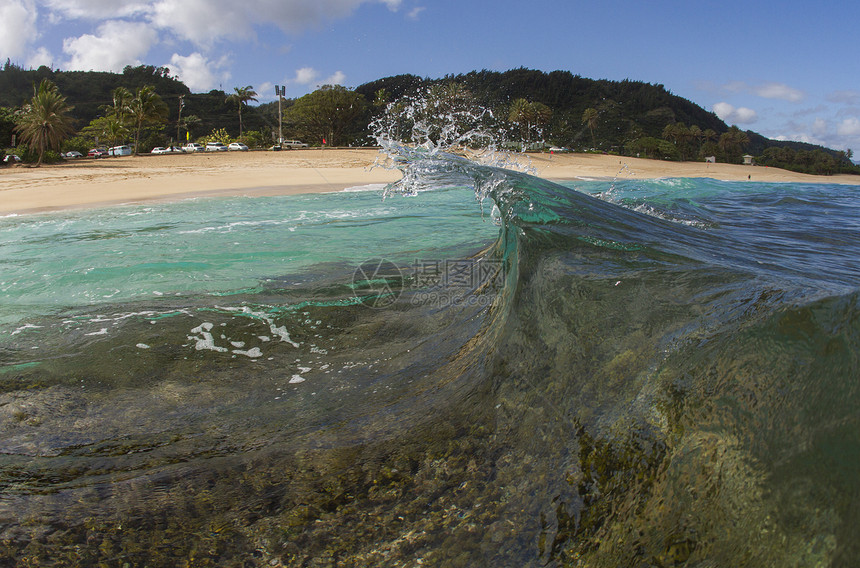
pixel 622 105
pixel 559 108
pixel 88 91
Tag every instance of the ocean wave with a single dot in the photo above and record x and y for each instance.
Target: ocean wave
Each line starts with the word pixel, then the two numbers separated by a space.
pixel 601 380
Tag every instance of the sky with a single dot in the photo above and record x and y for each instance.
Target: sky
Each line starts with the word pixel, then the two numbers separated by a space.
pixel 787 70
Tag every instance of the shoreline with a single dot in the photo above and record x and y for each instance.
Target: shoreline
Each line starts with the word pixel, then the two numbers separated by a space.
pixel 90 183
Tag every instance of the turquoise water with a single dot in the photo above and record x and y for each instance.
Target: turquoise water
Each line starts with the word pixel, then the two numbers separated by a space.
pixel 219 246
pixel 599 373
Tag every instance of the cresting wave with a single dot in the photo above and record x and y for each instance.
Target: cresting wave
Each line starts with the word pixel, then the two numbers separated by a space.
pixel 583 385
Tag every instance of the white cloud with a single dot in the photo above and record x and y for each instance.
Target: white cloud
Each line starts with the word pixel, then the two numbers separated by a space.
pixel 415 12
pixel 770 90
pixel 779 91
pixel 197 72
pixel 735 86
pixel 735 115
pixel 205 22
pixel 17 27
pixel 309 76
pixel 338 78
pixel 844 97
pixel 118 43
pixel 96 9
pixel 305 76
pixel 40 57
pixel 820 127
pixel 849 127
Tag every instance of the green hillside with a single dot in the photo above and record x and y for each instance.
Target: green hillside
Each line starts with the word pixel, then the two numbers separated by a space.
pixel 562 110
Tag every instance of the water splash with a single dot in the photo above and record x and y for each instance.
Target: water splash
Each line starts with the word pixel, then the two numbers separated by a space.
pixel 442 138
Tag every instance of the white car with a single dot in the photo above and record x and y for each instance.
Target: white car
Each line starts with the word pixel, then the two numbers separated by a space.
pixel 160 150
pixel 237 147
pixel 73 154
pixel 123 150
pixel 291 144
pixel 215 147
pixel 193 147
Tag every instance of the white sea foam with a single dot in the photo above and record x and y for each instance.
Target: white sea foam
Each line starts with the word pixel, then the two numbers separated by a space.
pixel 277 331
pixel 369 187
pixel 26 327
pixel 254 352
pixel 205 341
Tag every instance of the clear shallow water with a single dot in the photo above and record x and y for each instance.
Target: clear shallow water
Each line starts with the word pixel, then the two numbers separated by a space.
pixel 666 375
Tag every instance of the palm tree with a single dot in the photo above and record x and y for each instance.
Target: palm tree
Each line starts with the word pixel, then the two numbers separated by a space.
pixel 122 98
pixel 188 121
pixel 146 108
pixel 527 115
pixel 733 142
pixel 589 118
pixel 44 123
pixel 521 115
pixel 240 98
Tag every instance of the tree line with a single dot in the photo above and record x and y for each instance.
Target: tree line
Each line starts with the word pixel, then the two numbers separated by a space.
pixel 531 110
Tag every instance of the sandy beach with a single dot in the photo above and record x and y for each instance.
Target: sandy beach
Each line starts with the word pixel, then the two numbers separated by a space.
pixel 90 182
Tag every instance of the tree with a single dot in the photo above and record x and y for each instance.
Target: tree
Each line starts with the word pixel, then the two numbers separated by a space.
pixel 187 122
pixel 45 122
pixel 589 118
pixel 528 115
pixel 106 128
pixel 331 114
pixel 681 136
pixel 240 98
pixel 146 108
pixel 732 143
pixel 122 98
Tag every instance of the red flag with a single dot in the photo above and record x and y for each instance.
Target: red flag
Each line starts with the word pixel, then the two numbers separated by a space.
pixel 323 140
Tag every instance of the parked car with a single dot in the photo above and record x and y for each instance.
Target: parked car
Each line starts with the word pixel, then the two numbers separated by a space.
pixel 193 147
pixel 123 150
pixel 11 158
pixel 72 154
pixel 159 150
pixel 293 144
pixel 97 153
pixel 215 147
pixel 237 147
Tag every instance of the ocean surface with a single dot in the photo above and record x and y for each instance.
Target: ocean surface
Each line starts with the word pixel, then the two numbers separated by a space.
pixel 474 368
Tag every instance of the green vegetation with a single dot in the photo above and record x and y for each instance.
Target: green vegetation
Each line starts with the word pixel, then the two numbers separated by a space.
pixel 332 115
pixel 240 98
pixel 534 110
pixel 45 122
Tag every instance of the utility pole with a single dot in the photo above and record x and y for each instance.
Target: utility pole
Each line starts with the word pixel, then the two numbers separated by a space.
pixel 179 120
pixel 280 91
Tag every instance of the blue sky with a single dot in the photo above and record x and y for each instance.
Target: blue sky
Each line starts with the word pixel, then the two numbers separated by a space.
pixel 786 70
